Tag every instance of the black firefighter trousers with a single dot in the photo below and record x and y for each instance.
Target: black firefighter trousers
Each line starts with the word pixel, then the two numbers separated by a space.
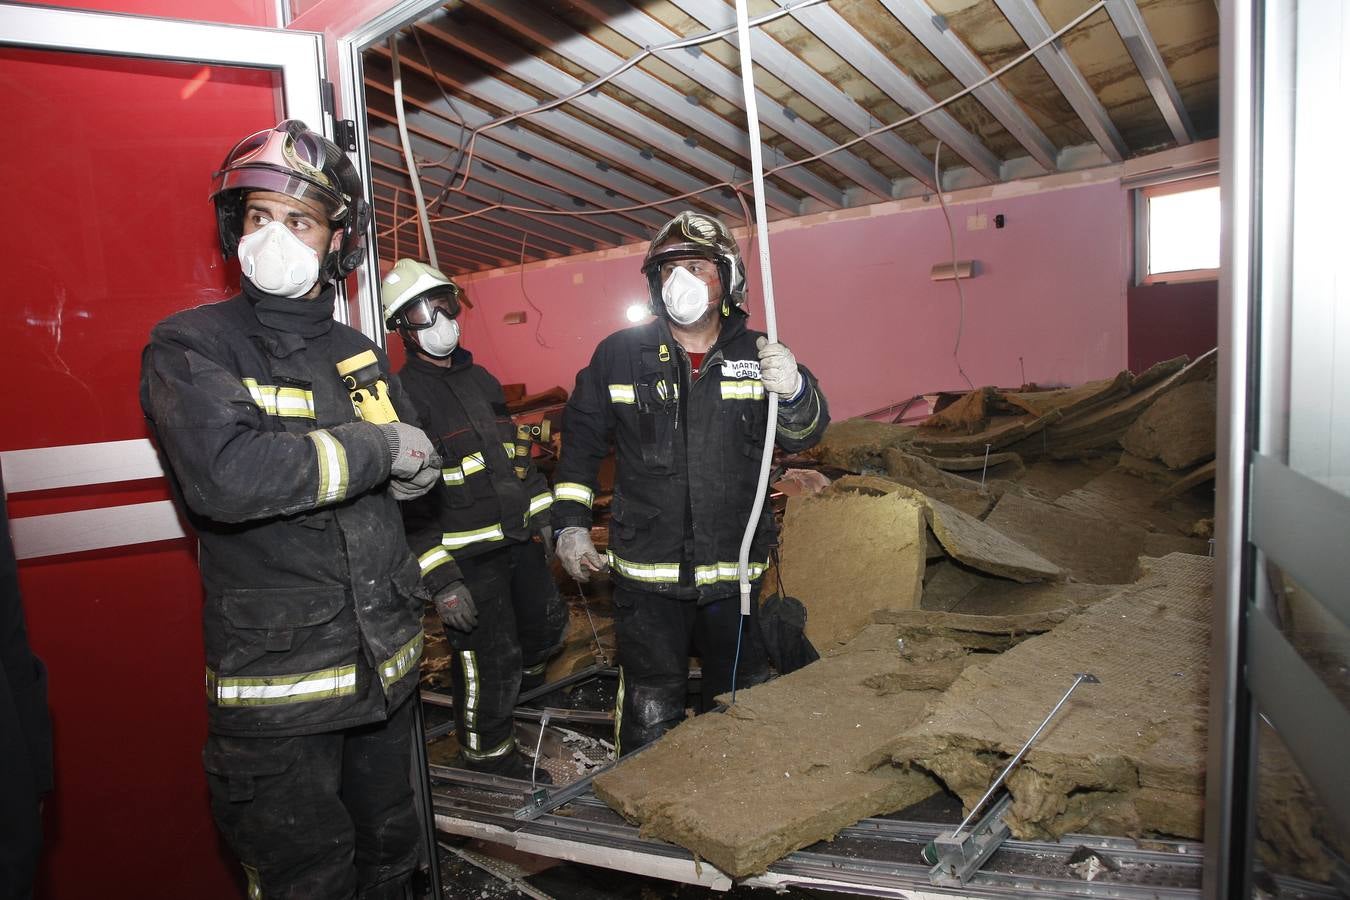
pixel 657 634
pixel 521 621
pixel 326 815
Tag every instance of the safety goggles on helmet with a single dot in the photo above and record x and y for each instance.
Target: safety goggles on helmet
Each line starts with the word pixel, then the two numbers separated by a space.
pixel 692 235
pixel 422 312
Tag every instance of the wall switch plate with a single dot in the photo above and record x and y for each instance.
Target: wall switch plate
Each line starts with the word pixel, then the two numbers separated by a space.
pixel 977 222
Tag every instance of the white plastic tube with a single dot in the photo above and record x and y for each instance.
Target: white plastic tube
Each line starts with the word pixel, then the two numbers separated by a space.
pixel 766 278
pixel 413 175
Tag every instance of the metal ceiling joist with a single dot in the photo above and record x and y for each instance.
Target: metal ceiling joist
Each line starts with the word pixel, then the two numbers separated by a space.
pixel 931 29
pixel 643 30
pixel 619 189
pixel 874 65
pixel 513 188
pixel 1024 16
pixel 796 73
pixel 601 143
pixel 446 248
pixel 1139 41
pixel 571 232
pixel 497 53
pixel 581 50
pixel 547 185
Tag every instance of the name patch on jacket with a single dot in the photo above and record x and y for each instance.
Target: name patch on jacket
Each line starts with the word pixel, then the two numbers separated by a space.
pixel 740 368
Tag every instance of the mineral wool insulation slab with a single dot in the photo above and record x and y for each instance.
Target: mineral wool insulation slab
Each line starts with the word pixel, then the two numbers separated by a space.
pixel 794 760
pixel 845 555
pixel 1123 757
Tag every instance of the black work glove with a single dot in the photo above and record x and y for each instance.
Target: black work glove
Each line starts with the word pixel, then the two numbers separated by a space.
pixel 455 606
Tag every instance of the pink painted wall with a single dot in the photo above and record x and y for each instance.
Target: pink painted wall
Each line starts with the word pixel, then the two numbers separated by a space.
pixel 856 303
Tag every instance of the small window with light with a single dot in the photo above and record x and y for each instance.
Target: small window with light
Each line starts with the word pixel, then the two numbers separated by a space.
pixel 1177 231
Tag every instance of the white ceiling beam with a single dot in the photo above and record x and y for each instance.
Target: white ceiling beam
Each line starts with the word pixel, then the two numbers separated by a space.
pixel 1144 51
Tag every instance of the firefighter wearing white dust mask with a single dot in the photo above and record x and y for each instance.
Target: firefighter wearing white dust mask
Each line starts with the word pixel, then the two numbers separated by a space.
pixel 683 401
pixel 313 600
pixel 474 532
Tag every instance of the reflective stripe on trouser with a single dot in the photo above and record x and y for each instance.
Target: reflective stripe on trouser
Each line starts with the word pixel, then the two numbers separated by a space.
pixel 485 676
pixel 319 815
pixel 657 634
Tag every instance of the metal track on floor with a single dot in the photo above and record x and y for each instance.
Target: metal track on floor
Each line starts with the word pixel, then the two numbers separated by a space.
pixel 878 857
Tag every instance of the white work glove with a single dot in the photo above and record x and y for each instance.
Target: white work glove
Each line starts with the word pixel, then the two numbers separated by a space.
pixel 454 604
pixel 546 538
pixel 778 369
pixel 577 553
pixel 410 450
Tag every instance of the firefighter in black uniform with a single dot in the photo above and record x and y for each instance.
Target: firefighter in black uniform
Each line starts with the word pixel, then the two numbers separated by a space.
pixel 473 533
pixel 683 400
pixel 313 601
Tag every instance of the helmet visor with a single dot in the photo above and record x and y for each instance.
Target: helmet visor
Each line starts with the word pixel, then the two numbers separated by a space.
pixel 422 312
pixel 289 160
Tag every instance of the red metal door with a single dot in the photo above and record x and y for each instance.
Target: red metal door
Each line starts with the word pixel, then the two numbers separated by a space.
pixel 113 139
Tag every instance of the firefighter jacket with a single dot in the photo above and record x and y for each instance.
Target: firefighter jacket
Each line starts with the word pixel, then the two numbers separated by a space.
pixel 482 502
pixel 313 606
pixel 688 455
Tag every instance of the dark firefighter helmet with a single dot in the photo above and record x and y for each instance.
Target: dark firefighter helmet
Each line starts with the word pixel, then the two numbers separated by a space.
pixel 689 235
pixel 290 159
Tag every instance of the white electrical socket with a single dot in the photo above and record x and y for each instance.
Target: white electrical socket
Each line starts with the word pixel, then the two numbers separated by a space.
pixel 977 222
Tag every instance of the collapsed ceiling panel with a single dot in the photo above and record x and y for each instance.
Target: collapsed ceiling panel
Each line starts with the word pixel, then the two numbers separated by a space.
pixel 547 129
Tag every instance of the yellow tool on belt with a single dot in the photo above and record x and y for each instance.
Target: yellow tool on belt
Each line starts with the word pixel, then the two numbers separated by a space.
pixel 527 435
pixel 370 394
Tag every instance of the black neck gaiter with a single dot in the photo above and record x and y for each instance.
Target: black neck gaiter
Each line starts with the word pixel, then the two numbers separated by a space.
pixel 306 318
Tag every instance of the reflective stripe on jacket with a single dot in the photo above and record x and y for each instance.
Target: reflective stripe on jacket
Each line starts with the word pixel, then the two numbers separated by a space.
pixel 687 455
pixel 312 616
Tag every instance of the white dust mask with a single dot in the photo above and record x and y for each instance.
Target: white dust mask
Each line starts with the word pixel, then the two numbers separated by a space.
pixel 441 339
pixel 685 296
pixel 278 262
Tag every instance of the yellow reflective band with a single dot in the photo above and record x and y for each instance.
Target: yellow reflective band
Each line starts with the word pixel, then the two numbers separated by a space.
pixel 539 503
pixel 402 662
pixel 798 434
pixel 436 556
pixel 535 670
pixel 622 393
pixel 510 450
pixel 287 402
pixel 577 493
pixel 452 476
pixel 469 661
pixel 473 463
pixel 748 389
pixel 726 571
pixel 501 749
pixel 457 539
pixel 323 684
pixel 332 467
pixel 654 572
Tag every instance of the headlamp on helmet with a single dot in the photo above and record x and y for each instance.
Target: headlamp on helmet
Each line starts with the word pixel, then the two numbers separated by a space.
pixel 292 160
pixel 692 235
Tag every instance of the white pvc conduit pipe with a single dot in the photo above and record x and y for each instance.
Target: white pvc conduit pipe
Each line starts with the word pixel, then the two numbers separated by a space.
pixel 413 175
pixel 766 278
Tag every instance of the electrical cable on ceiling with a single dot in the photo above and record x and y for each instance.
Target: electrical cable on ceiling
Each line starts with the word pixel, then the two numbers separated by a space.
pixel 956 274
pixel 449 101
pixel 741 185
pixel 413 174
pixel 771 323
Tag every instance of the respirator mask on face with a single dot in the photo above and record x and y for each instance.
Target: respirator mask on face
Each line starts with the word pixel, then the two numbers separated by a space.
pixel 278 262
pixel 440 338
pixel 685 296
